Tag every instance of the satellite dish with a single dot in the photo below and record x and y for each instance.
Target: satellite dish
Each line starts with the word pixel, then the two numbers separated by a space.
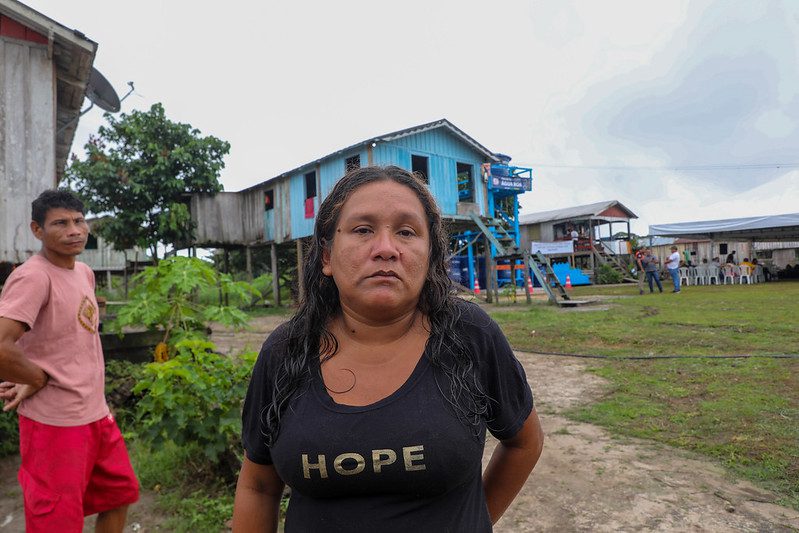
pixel 100 92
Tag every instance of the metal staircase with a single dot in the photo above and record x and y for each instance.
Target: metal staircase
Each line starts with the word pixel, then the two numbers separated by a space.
pixel 607 257
pixel 497 235
pixel 547 277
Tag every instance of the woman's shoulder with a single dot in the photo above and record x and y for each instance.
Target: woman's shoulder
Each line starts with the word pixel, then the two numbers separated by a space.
pixel 470 311
pixel 277 341
pixel 473 320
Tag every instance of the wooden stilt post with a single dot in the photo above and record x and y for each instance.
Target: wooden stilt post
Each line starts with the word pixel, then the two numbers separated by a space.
pixel 299 268
pixel 489 265
pixel 527 280
pixel 125 275
pixel 275 277
pixel 227 271
pixel 248 257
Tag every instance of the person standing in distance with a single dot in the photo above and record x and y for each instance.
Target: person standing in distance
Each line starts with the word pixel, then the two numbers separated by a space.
pixel 673 266
pixel 74 460
pixel 650 263
pixel 639 267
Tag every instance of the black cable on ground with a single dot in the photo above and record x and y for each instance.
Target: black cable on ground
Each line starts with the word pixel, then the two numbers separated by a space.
pixel 652 357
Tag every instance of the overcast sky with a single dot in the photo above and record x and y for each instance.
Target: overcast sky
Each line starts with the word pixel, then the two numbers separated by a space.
pixel 605 100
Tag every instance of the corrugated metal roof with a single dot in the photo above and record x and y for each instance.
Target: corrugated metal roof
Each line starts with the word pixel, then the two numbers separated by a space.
pixel 568 213
pixel 763 228
pixel 779 245
pixel 442 123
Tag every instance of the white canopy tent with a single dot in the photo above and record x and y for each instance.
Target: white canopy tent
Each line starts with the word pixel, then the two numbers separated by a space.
pixel 765 228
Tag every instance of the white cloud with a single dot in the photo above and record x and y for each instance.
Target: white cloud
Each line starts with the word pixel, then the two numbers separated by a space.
pixel 546 82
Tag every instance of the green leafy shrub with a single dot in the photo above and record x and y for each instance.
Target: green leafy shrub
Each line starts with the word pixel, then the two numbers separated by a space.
pixel 196 397
pixel 120 380
pixel 606 275
pixel 9 434
pixel 164 298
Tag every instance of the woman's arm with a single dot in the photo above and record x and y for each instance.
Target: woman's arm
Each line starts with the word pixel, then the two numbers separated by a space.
pixel 257 504
pixel 510 466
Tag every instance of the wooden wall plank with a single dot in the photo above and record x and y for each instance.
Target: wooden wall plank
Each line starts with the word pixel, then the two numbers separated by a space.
pixel 27 142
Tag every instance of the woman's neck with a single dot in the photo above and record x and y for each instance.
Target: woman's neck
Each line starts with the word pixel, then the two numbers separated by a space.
pixel 366 331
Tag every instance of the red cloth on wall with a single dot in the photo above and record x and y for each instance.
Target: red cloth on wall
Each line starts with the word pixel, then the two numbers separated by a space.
pixel 309 208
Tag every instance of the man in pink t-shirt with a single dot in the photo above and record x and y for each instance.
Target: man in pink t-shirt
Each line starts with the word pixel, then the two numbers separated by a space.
pixel 74 461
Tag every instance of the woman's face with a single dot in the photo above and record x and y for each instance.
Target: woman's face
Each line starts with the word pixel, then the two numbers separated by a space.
pixel 380 254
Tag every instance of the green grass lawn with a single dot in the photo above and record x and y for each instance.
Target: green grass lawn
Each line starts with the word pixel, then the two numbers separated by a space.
pixel 741 412
pixel 733 319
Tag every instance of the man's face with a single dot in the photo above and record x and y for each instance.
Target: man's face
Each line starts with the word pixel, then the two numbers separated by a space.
pixel 64 232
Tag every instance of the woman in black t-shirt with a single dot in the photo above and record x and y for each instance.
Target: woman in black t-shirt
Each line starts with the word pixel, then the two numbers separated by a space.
pixel 373 401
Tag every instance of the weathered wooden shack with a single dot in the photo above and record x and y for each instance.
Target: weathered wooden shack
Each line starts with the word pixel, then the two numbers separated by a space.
pixel 44 71
pixel 456 167
pixel 597 226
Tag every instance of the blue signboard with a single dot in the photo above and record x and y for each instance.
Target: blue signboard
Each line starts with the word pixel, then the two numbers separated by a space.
pixel 508 178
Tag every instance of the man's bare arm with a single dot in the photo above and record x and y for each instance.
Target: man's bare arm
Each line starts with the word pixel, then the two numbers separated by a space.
pixel 14 366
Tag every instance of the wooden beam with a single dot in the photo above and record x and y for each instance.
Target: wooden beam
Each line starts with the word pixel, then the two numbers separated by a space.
pixel 275 277
pixel 527 280
pixel 299 267
pixel 248 257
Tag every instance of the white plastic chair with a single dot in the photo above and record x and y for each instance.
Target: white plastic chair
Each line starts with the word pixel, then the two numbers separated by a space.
pixel 729 274
pixel 684 276
pixel 759 277
pixel 700 275
pixel 744 272
pixel 712 274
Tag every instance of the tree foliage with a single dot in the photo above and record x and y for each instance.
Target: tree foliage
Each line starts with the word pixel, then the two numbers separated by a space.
pixel 139 169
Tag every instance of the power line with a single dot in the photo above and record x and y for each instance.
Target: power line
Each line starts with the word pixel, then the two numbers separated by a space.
pixel 695 168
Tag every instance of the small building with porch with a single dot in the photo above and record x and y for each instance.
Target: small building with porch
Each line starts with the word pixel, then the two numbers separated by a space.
pixel 602 235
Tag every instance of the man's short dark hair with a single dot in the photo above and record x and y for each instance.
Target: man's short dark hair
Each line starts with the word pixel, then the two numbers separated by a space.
pixel 53 199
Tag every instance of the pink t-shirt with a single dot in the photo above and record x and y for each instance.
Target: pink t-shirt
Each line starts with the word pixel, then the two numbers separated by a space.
pixel 59 307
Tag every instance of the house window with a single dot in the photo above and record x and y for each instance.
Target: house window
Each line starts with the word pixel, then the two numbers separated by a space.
pixel 465 182
pixel 310 185
pixel 91 242
pixel 269 200
pixel 419 167
pixel 723 249
pixel 351 163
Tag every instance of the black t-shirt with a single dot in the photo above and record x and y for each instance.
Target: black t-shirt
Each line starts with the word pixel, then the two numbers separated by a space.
pixel 404 463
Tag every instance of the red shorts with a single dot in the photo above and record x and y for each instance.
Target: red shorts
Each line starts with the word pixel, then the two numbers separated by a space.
pixel 71 472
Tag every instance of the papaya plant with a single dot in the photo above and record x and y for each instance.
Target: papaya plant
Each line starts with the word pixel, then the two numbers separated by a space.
pixel 163 298
pixel 195 397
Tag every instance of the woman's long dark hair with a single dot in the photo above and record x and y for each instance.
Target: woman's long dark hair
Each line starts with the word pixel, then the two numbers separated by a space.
pixel 308 335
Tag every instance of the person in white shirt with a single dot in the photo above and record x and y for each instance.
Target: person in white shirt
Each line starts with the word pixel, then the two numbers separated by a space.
pixel 673 266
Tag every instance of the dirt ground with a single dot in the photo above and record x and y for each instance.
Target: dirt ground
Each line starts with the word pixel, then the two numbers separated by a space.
pixel 586 480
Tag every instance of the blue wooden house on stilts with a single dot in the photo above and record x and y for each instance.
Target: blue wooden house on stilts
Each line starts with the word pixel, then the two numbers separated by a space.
pixel 476 189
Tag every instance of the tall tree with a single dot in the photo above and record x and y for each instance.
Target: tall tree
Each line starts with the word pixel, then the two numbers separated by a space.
pixel 140 169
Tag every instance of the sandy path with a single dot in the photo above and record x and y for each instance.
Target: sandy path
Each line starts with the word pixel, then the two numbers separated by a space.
pixel 587 480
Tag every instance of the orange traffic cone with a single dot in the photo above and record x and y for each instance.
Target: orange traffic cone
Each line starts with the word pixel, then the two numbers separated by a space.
pixel 530 287
pixel 568 281
pixel 476 287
